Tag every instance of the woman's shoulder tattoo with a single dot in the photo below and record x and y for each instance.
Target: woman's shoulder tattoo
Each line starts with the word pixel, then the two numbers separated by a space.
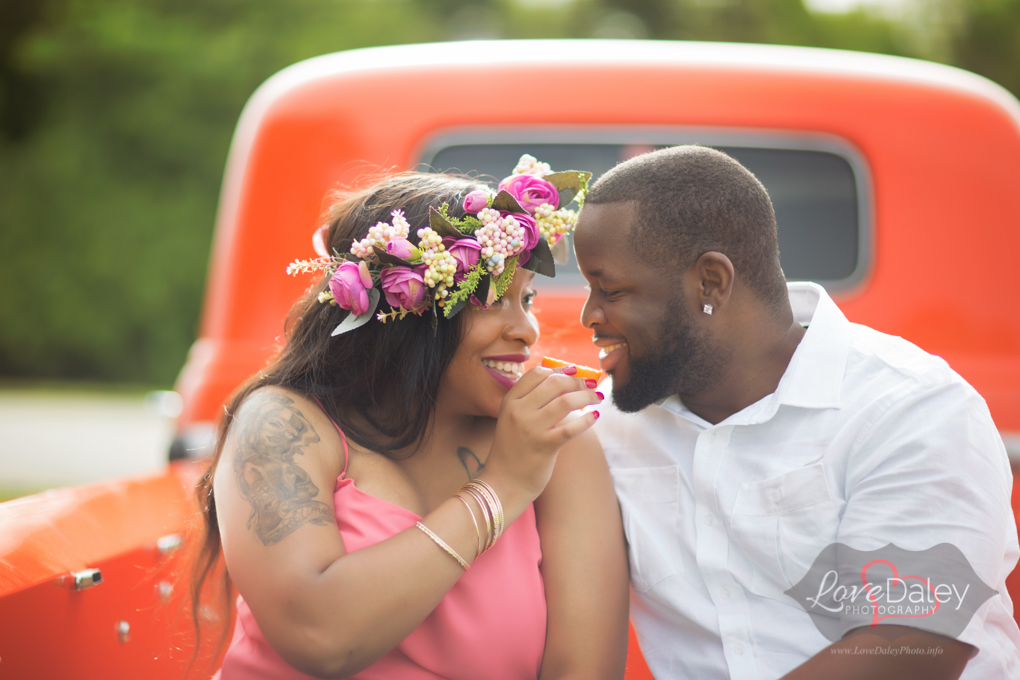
pixel 281 493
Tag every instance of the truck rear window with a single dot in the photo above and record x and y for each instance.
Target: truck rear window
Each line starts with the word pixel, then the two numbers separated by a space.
pixel 819 194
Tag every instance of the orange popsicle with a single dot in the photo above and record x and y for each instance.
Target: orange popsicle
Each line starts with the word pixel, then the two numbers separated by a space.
pixel 582 371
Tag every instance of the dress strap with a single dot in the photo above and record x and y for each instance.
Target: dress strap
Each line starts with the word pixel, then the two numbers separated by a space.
pixel 343 438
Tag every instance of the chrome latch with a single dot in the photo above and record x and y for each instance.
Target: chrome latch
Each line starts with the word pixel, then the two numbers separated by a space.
pixel 87 579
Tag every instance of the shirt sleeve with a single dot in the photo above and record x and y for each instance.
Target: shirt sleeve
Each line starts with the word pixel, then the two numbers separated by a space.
pixel 929 469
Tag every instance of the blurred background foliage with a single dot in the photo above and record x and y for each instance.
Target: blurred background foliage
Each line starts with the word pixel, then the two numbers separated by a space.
pixel 116 116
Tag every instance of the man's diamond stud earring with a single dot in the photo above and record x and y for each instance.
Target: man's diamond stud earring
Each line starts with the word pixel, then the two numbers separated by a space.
pixel 707 309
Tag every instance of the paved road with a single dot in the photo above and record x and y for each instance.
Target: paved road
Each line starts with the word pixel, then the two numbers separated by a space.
pixel 48 441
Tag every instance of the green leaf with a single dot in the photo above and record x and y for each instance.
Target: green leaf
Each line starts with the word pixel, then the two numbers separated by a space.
pixel 507 277
pixel 456 300
pixel 545 266
pixel 441 225
pixel 450 311
pixel 570 183
pixel 352 322
pixel 505 201
pixel 468 225
pixel 482 291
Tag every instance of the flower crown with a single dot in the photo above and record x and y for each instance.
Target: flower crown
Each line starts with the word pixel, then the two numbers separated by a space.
pixel 456 261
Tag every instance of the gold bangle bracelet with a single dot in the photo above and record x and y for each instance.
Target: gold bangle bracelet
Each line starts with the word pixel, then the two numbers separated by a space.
pixel 442 544
pixel 478 532
pixel 486 515
pixel 496 506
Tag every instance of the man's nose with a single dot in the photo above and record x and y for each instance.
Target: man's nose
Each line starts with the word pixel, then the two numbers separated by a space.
pixel 591 313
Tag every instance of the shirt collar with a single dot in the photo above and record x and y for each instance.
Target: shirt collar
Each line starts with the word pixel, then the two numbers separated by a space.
pixel 814 378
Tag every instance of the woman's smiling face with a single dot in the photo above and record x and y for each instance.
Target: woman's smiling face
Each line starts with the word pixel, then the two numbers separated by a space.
pixel 490 357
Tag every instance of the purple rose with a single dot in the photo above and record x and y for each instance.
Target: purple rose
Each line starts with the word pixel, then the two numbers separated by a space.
pixel 531 191
pixel 402 248
pixel 404 288
pixel 465 251
pixel 350 284
pixel 476 201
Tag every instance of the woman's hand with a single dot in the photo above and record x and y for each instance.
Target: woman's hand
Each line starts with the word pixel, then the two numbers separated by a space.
pixel 534 423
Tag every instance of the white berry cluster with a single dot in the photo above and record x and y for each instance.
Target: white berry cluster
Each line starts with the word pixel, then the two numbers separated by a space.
pixel 500 237
pixel 380 235
pixel 529 165
pixel 552 223
pixel 441 265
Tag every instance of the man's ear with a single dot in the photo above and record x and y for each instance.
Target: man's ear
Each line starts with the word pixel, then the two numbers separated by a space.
pixel 714 273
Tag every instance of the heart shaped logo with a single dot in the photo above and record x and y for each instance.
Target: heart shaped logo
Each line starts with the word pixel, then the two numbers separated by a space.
pixel 875 618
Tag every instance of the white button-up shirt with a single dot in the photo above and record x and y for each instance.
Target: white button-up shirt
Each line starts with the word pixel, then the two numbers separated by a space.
pixel 866 441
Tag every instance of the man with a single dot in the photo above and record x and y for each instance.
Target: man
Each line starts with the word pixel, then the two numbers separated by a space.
pixel 754 427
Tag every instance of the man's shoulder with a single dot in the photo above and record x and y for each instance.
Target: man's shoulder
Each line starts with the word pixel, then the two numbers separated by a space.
pixel 882 359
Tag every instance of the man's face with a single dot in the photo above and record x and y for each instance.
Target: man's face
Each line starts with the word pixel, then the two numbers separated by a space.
pixel 640 314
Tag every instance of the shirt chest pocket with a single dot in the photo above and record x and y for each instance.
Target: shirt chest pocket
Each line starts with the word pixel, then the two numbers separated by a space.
pixel 650 505
pixel 781 525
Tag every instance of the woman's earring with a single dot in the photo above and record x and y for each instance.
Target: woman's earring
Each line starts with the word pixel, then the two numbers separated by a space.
pixel 707 309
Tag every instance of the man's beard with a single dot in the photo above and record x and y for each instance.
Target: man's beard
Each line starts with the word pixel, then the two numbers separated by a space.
pixel 687 364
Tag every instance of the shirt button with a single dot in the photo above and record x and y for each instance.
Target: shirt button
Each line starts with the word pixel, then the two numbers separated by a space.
pixel 738 648
pixel 708 520
pixel 724 593
pixel 776 495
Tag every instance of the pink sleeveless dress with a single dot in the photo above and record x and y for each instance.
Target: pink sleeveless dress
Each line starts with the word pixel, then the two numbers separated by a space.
pixel 490 625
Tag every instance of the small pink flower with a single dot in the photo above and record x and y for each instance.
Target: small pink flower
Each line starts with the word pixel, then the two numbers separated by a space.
pixel 475 201
pixel 350 284
pixel 465 251
pixel 404 288
pixel 490 298
pixel 531 191
pixel 402 248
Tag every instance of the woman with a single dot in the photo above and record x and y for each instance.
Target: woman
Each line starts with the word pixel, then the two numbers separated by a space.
pixel 394 499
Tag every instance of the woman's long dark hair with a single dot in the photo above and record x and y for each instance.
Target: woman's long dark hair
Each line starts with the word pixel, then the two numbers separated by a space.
pixel 392 369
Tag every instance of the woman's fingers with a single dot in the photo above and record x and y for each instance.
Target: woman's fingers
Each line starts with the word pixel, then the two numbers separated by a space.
pixel 531 379
pixel 575 426
pixel 560 407
pixel 551 387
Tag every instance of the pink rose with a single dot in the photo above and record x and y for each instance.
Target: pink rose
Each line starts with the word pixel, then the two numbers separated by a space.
pixel 465 251
pixel 404 288
pixel 476 201
pixel 531 191
pixel 402 248
pixel 350 284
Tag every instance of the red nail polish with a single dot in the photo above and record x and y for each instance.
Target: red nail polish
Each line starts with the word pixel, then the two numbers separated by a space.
pixel 569 370
pixel 601 396
pixel 589 383
pixel 596 414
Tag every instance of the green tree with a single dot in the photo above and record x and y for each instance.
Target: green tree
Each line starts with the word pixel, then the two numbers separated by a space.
pixel 988 41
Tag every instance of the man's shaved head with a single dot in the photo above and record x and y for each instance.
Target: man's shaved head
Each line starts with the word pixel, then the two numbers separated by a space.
pixel 690 200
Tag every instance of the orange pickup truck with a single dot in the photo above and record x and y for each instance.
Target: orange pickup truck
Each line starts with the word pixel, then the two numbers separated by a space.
pixel 895 184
